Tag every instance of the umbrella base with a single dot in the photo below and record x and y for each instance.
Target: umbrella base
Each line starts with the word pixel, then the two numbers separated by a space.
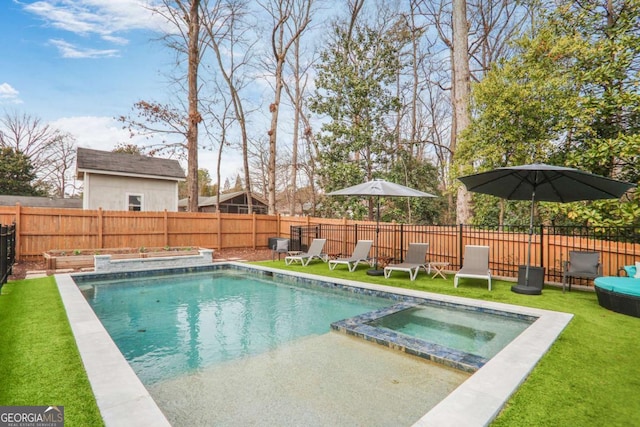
pixel 374 272
pixel 526 290
pixel 535 283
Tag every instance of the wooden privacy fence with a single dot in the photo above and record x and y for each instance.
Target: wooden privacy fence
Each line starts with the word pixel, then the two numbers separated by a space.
pixel 40 229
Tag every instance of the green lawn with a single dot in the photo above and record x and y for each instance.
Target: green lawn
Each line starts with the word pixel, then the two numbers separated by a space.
pixel 39 360
pixel 590 377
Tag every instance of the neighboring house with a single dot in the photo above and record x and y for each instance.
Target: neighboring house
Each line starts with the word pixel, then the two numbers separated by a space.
pixel 41 202
pixel 235 202
pixel 129 182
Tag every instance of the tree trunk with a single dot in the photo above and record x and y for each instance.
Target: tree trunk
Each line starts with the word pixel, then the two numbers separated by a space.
pixel 194 115
pixel 296 131
pixel 461 91
pixel 271 167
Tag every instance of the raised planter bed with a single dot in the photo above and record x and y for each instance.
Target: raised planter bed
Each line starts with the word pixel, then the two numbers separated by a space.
pixel 78 259
pixel 104 263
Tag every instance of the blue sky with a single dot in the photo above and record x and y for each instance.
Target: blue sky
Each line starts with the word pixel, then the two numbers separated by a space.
pixel 79 64
pixel 70 58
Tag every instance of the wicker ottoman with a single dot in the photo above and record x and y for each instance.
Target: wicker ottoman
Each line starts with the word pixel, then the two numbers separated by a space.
pixel 619 294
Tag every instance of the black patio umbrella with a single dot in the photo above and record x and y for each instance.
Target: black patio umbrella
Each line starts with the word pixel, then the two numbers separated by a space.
pixel 542 182
pixel 378 188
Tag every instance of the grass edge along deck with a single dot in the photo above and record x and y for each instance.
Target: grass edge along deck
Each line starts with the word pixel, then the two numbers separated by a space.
pixel 123 399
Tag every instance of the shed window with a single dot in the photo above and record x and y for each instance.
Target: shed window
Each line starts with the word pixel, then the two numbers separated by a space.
pixel 134 202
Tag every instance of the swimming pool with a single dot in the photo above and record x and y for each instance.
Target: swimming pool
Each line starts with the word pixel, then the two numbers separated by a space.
pixel 171 325
pixel 482 395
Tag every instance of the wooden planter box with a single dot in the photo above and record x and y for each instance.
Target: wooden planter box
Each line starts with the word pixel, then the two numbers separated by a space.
pixel 57 259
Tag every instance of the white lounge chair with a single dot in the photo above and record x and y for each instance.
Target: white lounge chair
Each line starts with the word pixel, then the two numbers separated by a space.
pixel 475 264
pixel 415 259
pixel 360 254
pixel 314 251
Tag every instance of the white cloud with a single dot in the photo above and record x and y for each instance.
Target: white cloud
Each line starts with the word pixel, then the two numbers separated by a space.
pixel 68 50
pixel 97 17
pixel 116 40
pixel 100 133
pixel 8 94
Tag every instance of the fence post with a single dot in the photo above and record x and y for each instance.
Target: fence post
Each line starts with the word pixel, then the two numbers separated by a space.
pixel 100 228
pixel 254 230
pixel 3 254
pixel 166 228
pixel 278 224
pixel 460 231
pixel 12 247
pixel 18 231
pixel 401 242
pixel 219 229
pixel 542 247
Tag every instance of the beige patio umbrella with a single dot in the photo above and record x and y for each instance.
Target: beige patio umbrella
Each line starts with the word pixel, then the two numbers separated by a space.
pixel 379 188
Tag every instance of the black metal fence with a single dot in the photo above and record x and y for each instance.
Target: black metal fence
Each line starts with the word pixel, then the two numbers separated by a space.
pixel 550 245
pixel 7 251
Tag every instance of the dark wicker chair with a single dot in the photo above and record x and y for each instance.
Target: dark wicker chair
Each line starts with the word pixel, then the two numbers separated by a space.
pixel 281 246
pixel 581 265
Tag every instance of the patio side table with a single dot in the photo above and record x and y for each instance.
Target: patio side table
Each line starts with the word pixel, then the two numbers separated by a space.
pixel 438 268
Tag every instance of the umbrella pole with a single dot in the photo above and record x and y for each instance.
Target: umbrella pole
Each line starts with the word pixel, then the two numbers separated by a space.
pixel 526 275
pixel 375 271
pixel 377 229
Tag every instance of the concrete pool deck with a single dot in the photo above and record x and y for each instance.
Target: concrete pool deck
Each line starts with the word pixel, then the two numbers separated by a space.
pixel 123 400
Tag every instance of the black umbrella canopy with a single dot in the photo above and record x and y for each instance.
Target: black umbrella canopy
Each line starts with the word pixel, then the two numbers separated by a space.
pixel 545 183
pixel 542 182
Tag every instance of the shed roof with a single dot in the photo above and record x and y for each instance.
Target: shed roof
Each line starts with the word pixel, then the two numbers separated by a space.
pixel 110 163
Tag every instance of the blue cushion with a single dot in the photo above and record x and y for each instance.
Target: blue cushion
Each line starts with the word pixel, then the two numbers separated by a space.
pixel 622 285
pixel 630 270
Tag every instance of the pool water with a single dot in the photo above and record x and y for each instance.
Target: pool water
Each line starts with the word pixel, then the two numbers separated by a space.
pixel 478 333
pixel 169 326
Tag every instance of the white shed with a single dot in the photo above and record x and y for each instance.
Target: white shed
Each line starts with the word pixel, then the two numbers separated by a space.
pixel 128 182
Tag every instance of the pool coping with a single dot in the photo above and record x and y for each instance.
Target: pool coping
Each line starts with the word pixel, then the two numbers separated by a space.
pixel 123 400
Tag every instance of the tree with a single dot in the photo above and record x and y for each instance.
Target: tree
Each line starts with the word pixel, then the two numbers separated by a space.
pixel 600 52
pixel 17 174
pixel 460 94
pixel 204 185
pixel 353 78
pixel 59 174
pixel 50 151
pixel 296 92
pixel 184 17
pixel 127 149
pixel 517 111
pixel 290 18
pixel 568 97
pixel 421 175
pixel 227 34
